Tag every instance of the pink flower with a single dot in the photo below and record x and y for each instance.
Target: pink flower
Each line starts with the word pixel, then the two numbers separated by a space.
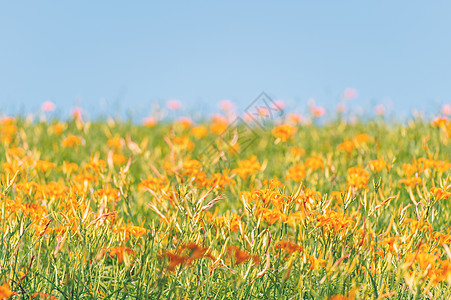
pixel 185 122
pixel 341 108
pixel 379 110
pixel 318 111
pixel 353 120
pixel 77 112
pixel 350 93
pixel 219 118
pixel 295 118
pixel 446 109
pixel 226 105
pixel 6 119
pixel 311 102
pixel 263 111
pixel 48 106
pixel 279 104
pixel 149 121
pixel 248 118
pixel 174 104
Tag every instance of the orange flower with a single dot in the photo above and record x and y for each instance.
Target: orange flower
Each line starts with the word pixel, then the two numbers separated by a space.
pixel 442 239
pixel 247 167
pixel 411 181
pixel 334 221
pixel 128 230
pixel 316 263
pixel 43 296
pixel 297 151
pixel 192 167
pixel 221 180
pixel 314 163
pixel 288 246
pixel 71 141
pixel 295 118
pixel 308 197
pixel 361 138
pixel 119 159
pixel 350 296
pixel 378 165
pixel 195 252
pixel 185 122
pixel 16 151
pixel 219 125
pixel 337 196
pixel 236 223
pixel 115 142
pixel 284 132
pixel 183 143
pixel 241 256
pixel 346 146
pixel 58 128
pixel 199 131
pixel 43 166
pixel 108 193
pixel 119 252
pixel 297 173
pixel 439 121
pixel 152 183
pixel 174 260
pixel 358 178
pixel 5 292
pixel 409 169
pixel 150 121
pixel 96 166
pixel 69 167
pixel 440 194
pixel 270 215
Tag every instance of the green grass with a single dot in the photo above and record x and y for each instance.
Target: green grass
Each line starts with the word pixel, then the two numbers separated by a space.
pixel 59 238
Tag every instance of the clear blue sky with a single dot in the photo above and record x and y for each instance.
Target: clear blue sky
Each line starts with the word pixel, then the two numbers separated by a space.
pixel 108 55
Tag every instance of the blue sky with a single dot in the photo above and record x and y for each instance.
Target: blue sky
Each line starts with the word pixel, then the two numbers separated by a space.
pixel 110 56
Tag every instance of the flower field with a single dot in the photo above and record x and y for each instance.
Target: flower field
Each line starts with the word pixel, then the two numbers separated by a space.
pixel 225 210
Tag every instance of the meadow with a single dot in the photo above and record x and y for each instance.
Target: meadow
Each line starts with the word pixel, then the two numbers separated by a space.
pixel 255 209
